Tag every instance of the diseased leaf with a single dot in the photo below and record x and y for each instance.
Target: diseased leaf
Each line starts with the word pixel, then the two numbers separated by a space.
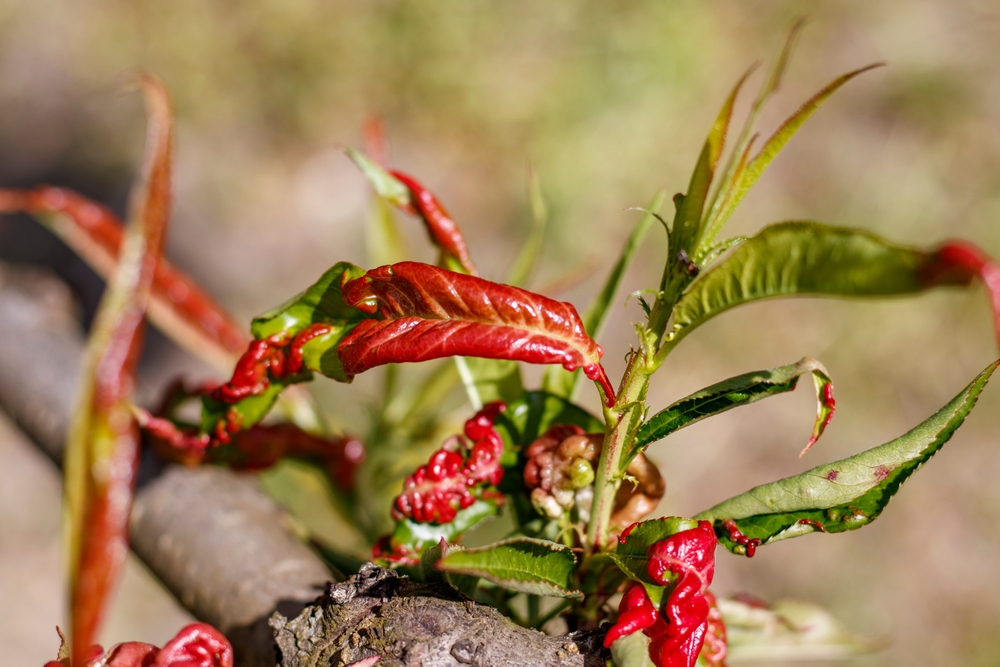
pixel 103 448
pixel 429 313
pixel 756 166
pixel 177 305
pixel 320 305
pixel 565 383
pixel 788 630
pixel 808 258
pixel 443 231
pixel 843 495
pixel 631 553
pixel 525 565
pixel 734 392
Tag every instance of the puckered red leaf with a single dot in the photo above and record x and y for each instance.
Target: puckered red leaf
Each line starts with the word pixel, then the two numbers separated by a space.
pixel 808 258
pixel 322 304
pixel 102 453
pixel 631 554
pixel 788 630
pixel 734 392
pixel 525 565
pixel 843 495
pixel 429 313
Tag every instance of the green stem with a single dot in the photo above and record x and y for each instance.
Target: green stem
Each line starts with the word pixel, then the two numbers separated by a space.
pixel 622 421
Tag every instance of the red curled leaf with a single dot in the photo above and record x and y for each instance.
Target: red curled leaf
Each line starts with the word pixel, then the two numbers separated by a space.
pixel 429 313
pixel 177 305
pixel 962 262
pixel 103 448
pixel 444 232
pixel 462 471
pixel 197 645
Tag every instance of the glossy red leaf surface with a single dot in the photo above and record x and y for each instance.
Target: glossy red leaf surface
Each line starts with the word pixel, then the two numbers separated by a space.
pixel 429 313
pixel 103 448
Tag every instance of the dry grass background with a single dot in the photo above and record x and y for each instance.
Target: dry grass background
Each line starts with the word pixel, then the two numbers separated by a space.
pixel 610 101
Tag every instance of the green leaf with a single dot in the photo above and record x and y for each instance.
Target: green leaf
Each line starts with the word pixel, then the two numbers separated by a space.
pixel 843 495
pixel 788 630
pixel 740 155
pixel 385 184
pixel 630 554
pixel 429 560
pixel 564 383
pixel 688 226
pixel 734 392
pixel 322 302
pixel 805 258
pixel 755 168
pixel 525 565
pixel 632 650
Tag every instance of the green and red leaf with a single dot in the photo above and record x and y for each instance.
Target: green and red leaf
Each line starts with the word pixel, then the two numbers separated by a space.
pixel 839 496
pixel 102 453
pixel 734 392
pixel 808 258
pixel 429 313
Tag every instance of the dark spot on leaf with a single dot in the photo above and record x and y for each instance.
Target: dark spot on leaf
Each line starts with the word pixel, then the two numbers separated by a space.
pixel 832 475
pixel 880 472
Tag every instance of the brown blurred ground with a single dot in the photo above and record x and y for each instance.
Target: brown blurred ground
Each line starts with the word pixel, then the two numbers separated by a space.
pixel 610 101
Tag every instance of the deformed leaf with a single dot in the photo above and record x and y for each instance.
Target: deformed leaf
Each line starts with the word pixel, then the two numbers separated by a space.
pixel 429 313
pixel 103 448
pixel 633 546
pixel 734 392
pixel 808 258
pixel 788 630
pixel 843 495
pixel 525 565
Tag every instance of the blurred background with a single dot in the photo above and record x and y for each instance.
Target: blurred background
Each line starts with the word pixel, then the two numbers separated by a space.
pixel 610 101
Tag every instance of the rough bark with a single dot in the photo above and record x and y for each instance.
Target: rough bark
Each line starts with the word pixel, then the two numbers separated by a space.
pixel 377 613
pixel 221 546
